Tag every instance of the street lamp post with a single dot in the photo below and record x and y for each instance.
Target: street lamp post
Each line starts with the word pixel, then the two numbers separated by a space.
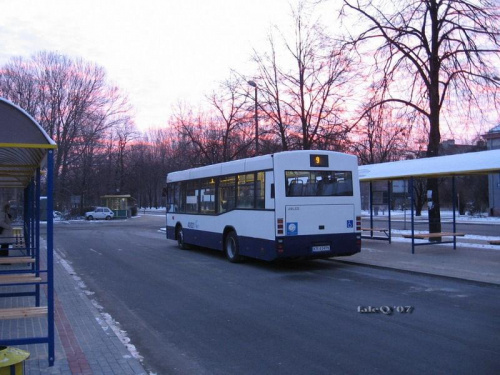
pixel 253 84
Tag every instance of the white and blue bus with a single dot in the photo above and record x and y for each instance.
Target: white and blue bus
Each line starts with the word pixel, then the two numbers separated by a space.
pixel 294 204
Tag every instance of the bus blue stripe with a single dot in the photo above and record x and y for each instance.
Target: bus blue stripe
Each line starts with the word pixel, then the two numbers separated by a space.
pixel 293 246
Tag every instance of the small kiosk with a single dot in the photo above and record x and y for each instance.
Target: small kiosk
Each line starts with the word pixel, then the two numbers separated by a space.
pixel 123 206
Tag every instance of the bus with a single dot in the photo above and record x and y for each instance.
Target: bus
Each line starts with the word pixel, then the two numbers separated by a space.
pixel 287 205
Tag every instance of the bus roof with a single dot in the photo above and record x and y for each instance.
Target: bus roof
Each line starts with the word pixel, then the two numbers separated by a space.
pixel 257 163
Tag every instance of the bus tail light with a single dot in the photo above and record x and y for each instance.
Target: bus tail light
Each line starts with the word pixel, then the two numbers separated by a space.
pixel 280 246
pixel 280 226
pixel 358 223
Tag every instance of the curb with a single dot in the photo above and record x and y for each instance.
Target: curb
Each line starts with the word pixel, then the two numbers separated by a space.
pixel 377 266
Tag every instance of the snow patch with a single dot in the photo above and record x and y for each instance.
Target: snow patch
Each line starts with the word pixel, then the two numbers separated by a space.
pixel 122 335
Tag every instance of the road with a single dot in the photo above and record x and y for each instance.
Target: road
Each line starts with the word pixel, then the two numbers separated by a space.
pixel 193 312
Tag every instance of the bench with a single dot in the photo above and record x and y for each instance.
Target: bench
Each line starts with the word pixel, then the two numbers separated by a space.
pixel 20 278
pixel 385 231
pixel 16 260
pixel 23 312
pixel 423 236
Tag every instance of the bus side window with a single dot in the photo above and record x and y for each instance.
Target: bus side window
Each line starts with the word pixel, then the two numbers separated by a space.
pixel 172 197
pixel 260 188
pixel 192 197
pixel 272 191
pixel 246 191
pixel 207 196
pixel 227 193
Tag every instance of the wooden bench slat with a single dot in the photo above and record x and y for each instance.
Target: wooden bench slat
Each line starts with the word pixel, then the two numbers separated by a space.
pixel 422 236
pixel 16 260
pixel 20 278
pixel 23 312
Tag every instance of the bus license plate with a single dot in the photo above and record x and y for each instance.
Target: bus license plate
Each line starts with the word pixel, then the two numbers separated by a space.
pixel 317 249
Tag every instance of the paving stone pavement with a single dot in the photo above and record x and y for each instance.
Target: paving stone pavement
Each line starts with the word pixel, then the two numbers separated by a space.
pixel 473 260
pixel 84 343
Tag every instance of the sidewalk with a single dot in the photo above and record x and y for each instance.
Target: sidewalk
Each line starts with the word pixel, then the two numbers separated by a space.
pixel 85 342
pixel 473 260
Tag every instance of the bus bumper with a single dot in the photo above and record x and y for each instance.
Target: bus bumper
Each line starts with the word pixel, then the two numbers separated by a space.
pixel 314 246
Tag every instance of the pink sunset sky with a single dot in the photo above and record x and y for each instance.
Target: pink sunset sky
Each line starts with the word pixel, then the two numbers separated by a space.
pixel 159 52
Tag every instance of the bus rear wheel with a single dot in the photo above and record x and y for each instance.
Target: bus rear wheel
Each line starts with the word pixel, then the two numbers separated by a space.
pixel 180 239
pixel 232 248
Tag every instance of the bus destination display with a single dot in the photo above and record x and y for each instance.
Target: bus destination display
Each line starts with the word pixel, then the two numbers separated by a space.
pixel 319 160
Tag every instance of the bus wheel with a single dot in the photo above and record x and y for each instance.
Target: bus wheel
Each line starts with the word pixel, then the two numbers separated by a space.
pixel 232 248
pixel 180 239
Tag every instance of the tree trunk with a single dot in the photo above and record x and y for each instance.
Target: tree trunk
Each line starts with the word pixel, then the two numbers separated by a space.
pixel 434 133
pixel 433 183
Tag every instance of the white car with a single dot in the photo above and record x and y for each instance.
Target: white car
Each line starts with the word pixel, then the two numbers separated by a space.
pixel 100 213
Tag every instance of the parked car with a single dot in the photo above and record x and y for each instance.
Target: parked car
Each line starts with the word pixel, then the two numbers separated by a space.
pixel 100 213
pixel 58 215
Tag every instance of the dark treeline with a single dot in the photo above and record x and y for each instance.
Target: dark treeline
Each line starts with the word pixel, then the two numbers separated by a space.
pixel 314 91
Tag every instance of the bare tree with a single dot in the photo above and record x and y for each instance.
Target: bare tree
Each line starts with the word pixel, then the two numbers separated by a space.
pixel 431 55
pixel 232 117
pixel 72 101
pixel 125 134
pixel 269 77
pixel 380 138
pixel 19 84
pixel 158 152
pixel 306 99
pixel 223 134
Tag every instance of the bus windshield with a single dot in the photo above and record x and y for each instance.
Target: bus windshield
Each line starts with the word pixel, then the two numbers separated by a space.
pixel 318 183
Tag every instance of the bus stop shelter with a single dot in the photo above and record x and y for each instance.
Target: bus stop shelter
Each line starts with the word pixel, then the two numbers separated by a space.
pixel 484 162
pixel 25 151
pixel 122 205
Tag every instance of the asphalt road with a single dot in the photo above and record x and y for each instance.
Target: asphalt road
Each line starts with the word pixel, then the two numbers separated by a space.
pixel 193 312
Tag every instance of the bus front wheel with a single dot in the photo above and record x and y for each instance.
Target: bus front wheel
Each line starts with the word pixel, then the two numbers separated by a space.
pixel 232 248
pixel 180 239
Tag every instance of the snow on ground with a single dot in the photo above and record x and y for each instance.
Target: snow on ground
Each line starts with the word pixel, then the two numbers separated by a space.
pixel 398 215
pixel 469 240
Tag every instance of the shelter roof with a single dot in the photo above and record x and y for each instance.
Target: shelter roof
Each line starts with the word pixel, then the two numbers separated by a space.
pixel 483 162
pixel 23 145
